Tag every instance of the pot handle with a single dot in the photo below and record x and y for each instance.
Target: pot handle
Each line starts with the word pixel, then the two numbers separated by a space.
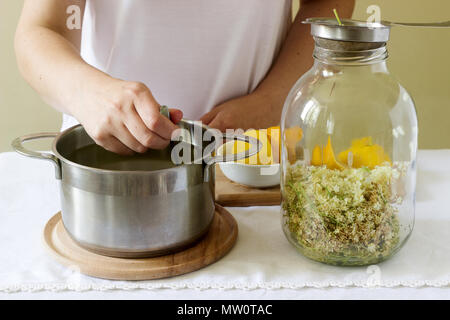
pixel 18 146
pixel 255 147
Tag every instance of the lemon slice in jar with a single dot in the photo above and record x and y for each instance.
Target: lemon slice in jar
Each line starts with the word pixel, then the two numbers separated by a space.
pixel 365 154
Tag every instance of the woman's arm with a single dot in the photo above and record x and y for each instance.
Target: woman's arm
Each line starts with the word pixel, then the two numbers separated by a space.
pixel 262 108
pixel 121 116
pixel 45 47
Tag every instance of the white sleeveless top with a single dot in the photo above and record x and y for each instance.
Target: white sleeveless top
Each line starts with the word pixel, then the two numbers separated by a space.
pixel 193 54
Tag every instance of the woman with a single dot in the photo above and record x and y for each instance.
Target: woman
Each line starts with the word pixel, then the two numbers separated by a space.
pixel 229 63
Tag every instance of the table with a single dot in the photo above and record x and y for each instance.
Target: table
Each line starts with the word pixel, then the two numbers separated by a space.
pixel 23 179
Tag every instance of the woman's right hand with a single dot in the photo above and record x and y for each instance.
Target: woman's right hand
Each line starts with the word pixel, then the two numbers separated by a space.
pixel 123 117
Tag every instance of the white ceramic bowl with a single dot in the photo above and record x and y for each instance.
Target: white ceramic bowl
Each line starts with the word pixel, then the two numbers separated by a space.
pixel 260 176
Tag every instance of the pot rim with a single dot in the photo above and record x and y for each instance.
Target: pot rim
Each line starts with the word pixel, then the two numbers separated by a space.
pixel 108 171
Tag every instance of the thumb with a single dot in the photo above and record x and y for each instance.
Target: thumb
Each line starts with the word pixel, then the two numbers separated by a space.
pixel 176 115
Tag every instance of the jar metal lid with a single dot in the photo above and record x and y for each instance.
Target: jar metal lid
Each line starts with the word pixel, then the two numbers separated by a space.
pixel 349 30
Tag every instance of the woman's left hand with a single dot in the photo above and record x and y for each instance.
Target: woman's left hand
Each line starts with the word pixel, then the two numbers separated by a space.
pixel 252 111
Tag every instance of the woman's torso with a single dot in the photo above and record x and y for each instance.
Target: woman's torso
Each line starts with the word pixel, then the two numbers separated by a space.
pixel 194 54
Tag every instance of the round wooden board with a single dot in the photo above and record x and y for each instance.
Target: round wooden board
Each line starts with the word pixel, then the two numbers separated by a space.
pixel 217 243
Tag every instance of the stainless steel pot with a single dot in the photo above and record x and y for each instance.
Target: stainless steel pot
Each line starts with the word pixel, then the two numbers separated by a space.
pixel 138 206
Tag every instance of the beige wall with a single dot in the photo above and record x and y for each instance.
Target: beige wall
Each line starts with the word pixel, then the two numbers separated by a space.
pixel 21 110
pixel 419 58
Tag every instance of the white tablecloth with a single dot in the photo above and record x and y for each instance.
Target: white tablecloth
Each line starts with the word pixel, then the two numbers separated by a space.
pixel 263 265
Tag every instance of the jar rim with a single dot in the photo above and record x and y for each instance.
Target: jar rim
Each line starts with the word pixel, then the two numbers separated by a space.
pixel 348 30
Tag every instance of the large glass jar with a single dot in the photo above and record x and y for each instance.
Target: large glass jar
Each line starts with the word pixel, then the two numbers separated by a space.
pixel 348 181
